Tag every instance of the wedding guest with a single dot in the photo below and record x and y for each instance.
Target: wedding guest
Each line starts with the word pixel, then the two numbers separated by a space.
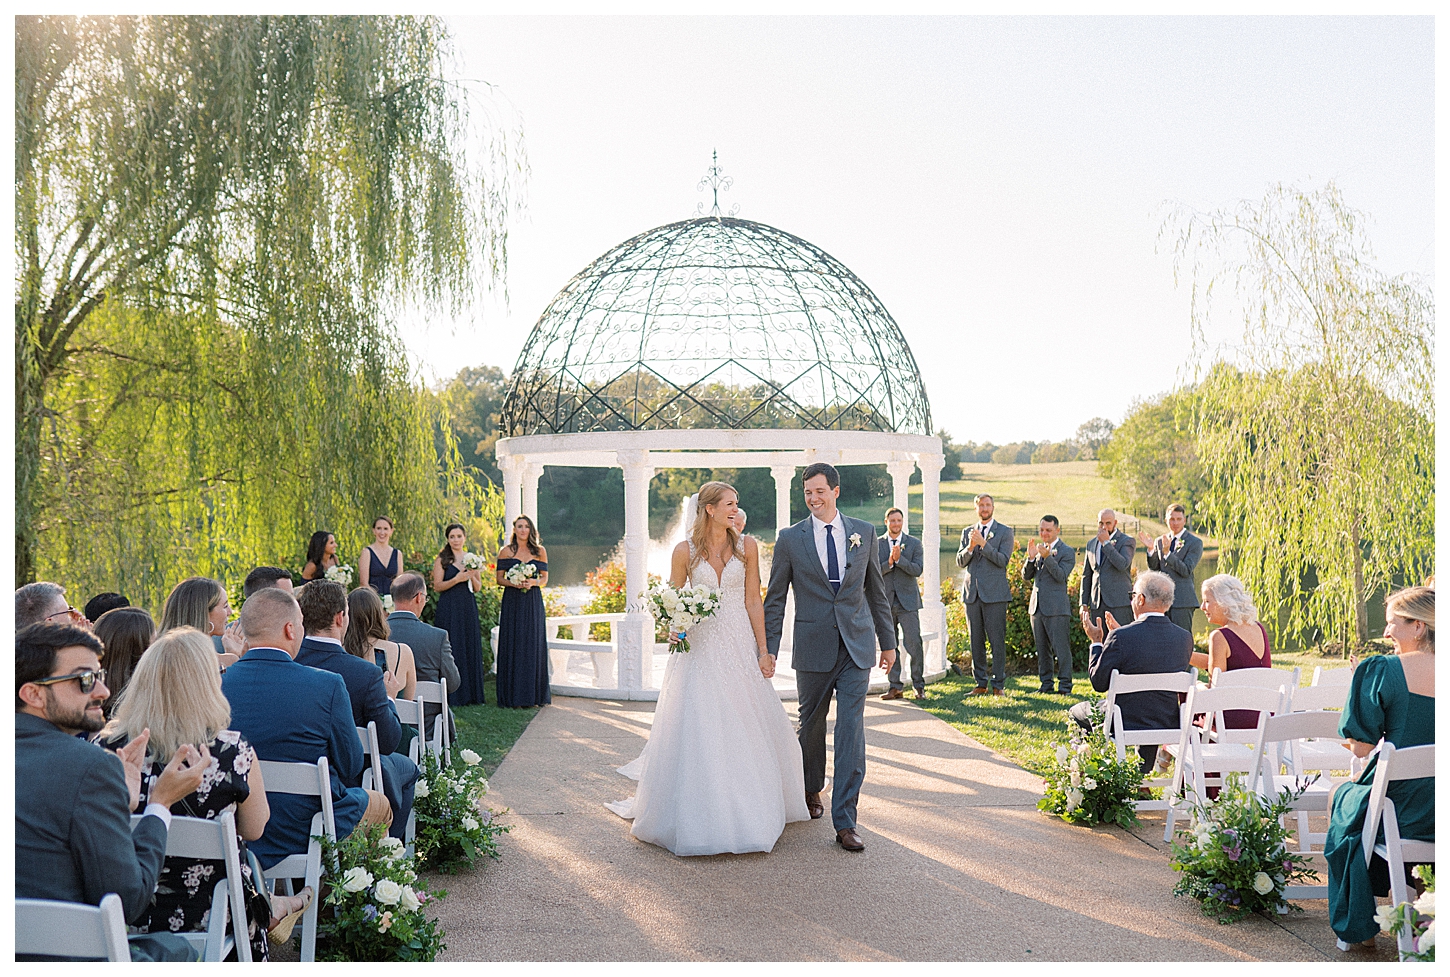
pixel 176 693
pixel 1106 580
pixel 1176 553
pixel 45 601
pixel 367 638
pixel 321 555
pixel 294 714
pixel 101 603
pixel 1391 697
pixel 902 559
pixel 1048 565
pixel 523 645
pixel 1239 639
pixel 263 577
pixel 457 613
pixel 125 633
pixel 201 603
pixel 432 654
pixel 985 549
pixel 739 521
pixel 380 561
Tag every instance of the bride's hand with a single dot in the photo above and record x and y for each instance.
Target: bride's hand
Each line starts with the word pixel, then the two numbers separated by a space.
pixel 767 664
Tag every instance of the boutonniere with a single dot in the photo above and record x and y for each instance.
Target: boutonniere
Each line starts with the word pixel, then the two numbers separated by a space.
pixel 855 540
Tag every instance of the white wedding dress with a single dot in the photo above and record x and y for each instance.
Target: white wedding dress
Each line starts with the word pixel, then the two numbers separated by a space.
pixel 722 769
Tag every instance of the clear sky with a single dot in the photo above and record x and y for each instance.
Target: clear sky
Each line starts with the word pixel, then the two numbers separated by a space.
pixel 998 182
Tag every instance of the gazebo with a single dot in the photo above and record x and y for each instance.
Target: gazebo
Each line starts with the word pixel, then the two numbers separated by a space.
pixel 717 342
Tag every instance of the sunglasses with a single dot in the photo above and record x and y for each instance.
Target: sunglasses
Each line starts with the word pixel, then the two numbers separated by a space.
pixel 87 679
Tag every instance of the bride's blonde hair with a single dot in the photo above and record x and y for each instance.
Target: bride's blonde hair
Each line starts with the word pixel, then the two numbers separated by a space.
pixel 710 494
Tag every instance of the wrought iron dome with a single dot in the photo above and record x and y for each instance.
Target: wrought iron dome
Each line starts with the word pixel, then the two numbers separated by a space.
pixel 715 322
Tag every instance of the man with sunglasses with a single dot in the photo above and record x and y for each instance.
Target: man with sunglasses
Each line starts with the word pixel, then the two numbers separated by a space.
pixel 73 800
pixel 44 601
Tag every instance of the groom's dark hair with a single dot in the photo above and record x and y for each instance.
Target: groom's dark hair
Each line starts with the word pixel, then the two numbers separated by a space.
pixel 833 477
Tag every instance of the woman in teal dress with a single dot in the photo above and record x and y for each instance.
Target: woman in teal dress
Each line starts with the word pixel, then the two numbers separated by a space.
pixel 1390 697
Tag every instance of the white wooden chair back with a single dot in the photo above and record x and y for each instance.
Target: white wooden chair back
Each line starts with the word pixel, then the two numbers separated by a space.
pixel 436 692
pixel 1213 702
pixel 214 839
pixel 1411 763
pixel 1263 678
pixel 1341 677
pixel 410 713
pixel 372 778
pixel 310 780
pixel 1277 745
pixel 1120 684
pixel 1317 697
pixel 72 929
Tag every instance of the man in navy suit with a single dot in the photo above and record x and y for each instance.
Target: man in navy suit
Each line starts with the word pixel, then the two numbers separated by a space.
pixel 1152 643
pixel 295 714
pixel 324 619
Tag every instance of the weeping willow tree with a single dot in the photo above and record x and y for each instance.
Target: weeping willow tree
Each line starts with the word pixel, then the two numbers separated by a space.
pixel 1316 432
pixel 216 220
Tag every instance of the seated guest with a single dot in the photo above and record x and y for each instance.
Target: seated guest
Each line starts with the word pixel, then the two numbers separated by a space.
pixel 321 555
pixel 367 638
pixel 432 655
pixel 324 620
pixel 73 800
pixel 1151 643
pixel 1239 639
pixel 1391 697
pixel 126 633
pixel 262 577
pixel 295 714
pixel 101 603
pixel 44 601
pixel 201 603
pixel 177 694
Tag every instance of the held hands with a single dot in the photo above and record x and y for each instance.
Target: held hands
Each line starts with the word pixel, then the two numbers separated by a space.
pixel 182 775
pixel 232 641
pixel 1147 540
pixel 975 539
pixel 1104 535
pixel 766 661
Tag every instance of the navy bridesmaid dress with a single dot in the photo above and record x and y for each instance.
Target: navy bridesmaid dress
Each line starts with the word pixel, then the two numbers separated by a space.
pixel 457 614
pixel 380 577
pixel 523 646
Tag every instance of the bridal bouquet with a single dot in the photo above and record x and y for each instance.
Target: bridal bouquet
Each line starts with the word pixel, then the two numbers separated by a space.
pixel 342 573
pixel 387 600
pixel 681 609
pixel 520 572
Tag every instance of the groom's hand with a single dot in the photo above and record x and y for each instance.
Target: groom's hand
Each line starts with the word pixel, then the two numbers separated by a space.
pixel 766 661
pixel 888 658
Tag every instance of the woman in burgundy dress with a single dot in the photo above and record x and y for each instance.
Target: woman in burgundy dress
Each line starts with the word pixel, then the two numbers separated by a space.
pixel 1239 641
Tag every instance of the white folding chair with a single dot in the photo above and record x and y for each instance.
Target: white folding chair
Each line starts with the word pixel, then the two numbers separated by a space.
pixel 1411 763
pixel 215 840
pixel 1340 677
pixel 72 929
pixel 1123 738
pixel 372 778
pixel 436 692
pixel 1261 678
pixel 308 780
pixel 1330 753
pixel 1279 740
pixel 1214 747
pixel 410 713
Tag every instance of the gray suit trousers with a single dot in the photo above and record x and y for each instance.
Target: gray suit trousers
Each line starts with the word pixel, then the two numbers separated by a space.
pixel 849 682
pixel 1054 651
pixel 908 624
pixel 1183 617
pixel 1123 615
pixel 988 621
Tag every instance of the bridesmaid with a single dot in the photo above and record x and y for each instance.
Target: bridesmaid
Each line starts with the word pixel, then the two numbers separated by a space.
pixel 523 647
pixel 321 554
pixel 373 570
pixel 457 613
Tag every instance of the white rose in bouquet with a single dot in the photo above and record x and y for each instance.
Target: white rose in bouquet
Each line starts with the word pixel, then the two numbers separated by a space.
pixel 1074 799
pixel 469 824
pixel 356 879
pixel 469 757
pixel 342 573
pixel 409 900
pixel 1090 784
pixel 393 848
pixel 1263 885
pixel 388 892
pixel 422 790
pixel 1062 754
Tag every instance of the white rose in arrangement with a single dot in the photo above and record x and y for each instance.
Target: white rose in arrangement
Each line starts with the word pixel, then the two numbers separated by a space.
pixel 422 790
pixel 356 879
pixel 1062 754
pixel 1425 905
pixel 409 900
pixel 1263 885
pixel 1090 784
pixel 469 824
pixel 1074 799
pixel 342 573
pixel 388 892
pixel 393 848
pixel 1075 778
pixel 469 757
pixel 1083 749
pixel 1385 916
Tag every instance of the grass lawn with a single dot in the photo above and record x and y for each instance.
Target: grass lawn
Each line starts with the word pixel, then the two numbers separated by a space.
pixel 488 730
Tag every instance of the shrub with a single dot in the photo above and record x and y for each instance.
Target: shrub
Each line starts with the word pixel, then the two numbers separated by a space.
pixel 454 827
pixel 1090 785
pixel 377 902
pixel 607 596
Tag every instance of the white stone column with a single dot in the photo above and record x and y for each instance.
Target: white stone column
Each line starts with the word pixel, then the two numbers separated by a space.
pixel 532 471
pixel 782 475
pixel 636 644
pixel 900 472
pixel 933 611
pixel 511 466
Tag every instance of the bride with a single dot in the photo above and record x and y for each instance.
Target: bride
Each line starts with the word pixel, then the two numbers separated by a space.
pixel 722 769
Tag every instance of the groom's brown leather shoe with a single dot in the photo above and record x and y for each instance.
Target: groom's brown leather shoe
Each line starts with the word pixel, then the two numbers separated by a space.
pixel 893 694
pixel 813 805
pixel 848 839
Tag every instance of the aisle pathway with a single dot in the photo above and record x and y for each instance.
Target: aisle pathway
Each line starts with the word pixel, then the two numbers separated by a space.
pixel 959 865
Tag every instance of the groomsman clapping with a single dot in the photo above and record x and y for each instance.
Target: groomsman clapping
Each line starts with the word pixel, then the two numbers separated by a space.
pixel 1176 553
pixel 984 552
pixel 1048 565
pixel 1106 581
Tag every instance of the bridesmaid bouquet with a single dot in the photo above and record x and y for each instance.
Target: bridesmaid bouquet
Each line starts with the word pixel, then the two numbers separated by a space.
pixel 681 609
pixel 472 561
pixel 342 573
pixel 520 572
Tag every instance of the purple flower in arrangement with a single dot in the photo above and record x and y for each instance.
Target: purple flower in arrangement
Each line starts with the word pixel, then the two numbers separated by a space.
pixel 370 912
pixel 1233 852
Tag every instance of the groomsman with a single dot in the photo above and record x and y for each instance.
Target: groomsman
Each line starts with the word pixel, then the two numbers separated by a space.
pixel 984 551
pixel 1176 553
pixel 902 560
pixel 1106 582
pixel 1048 565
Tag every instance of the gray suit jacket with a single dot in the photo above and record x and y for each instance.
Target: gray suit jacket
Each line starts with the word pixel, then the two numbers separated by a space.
pixel 859 615
pixel 431 653
pixel 986 566
pixel 1179 565
pixel 1049 581
pixel 1105 578
pixel 901 579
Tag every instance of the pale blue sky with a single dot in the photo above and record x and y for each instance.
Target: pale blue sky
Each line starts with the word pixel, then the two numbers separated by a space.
pixel 998 182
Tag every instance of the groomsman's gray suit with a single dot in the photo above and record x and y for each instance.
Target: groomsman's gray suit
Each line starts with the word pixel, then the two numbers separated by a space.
pixel 1051 614
pixel 432 655
pixel 985 595
pixel 1183 556
pixel 835 646
pixel 905 605
pixel 1106 583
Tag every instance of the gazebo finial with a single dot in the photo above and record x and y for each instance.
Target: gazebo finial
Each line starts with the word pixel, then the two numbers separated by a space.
pixel 716 180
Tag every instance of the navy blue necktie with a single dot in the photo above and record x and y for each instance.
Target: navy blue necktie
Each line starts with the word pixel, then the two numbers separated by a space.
pixel 833 568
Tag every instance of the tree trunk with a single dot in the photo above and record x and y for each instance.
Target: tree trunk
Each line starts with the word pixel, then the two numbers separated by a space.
pixel 1361 607
pixel 29 406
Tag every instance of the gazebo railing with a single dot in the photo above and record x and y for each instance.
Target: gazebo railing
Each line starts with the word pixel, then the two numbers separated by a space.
pixel 605 654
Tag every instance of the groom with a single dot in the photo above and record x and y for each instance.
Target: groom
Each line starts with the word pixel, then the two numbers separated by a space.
pixel 841 611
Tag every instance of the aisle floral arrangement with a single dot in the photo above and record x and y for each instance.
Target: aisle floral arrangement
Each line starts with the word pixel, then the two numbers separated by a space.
pixel 1234 855
pixel 1418 917
pixel 454 828
pixel 1089 784
pixel 374 902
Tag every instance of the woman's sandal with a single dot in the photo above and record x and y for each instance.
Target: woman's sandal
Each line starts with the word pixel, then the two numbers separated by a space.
pixel 282 932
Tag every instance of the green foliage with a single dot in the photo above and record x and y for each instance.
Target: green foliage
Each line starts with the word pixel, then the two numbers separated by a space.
pixel 473 399
pixel 1053 452
pixel 1152 457
pixel 1016 453
pixel 1088 784
pixel 607 596
pixel 1234 855
pixel 951 458
pixel 454 827
pixel 1021 654
pixel 377 903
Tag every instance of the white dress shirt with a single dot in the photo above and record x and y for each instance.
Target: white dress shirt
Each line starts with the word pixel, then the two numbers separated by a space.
pixel 838 536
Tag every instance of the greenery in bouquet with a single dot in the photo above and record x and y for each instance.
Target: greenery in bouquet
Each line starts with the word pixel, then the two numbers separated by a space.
pixel 1234 856
pixel 1417 917
pixel 454 828
pixel 376 902
pixel 1088 784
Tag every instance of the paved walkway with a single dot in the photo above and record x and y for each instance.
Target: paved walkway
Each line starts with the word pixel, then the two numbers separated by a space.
pixel 959 865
